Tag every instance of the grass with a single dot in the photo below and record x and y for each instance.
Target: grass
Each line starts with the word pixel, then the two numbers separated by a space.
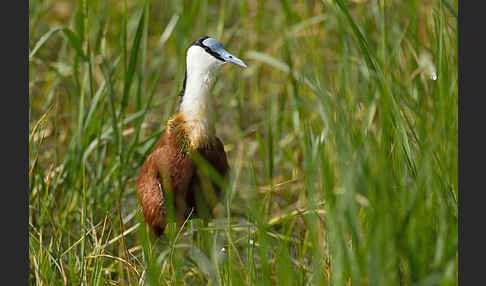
pixel 341 136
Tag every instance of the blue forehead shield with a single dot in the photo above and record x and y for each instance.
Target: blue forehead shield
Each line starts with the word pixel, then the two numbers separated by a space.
pixel 216 47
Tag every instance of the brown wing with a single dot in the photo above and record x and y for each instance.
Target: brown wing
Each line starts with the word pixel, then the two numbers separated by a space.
pixel 199 196
pixel 149 193
pixel 165 170
pixel 217 157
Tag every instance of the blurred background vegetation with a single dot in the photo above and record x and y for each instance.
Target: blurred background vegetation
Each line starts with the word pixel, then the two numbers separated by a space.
pixel 341 136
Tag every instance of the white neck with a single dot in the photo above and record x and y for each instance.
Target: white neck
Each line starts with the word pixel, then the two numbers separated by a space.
pixel 196 105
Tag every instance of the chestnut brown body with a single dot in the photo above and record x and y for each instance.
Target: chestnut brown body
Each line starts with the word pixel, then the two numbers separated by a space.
pixel 170 169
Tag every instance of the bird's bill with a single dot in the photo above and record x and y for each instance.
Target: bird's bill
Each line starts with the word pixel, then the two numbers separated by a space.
pixel 229 58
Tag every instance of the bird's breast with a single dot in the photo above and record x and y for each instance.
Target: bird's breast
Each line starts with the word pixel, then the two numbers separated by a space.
pixel 191 134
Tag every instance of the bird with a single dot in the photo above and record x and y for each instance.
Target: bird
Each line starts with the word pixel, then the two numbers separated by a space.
pixel 169 183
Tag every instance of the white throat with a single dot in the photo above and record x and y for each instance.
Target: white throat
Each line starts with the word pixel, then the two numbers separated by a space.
pixel 196 105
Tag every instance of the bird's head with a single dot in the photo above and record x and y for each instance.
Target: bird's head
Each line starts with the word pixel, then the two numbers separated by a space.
pixel 208 54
